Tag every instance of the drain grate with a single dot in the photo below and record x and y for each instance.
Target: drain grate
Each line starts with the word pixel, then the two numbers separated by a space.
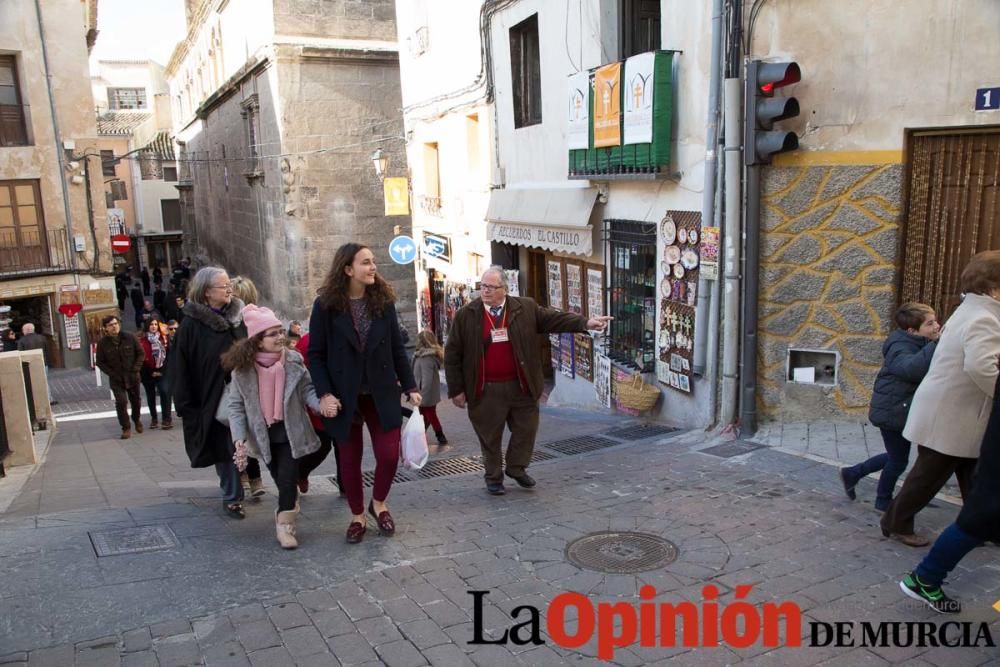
pixel 621 552
pixel 539 455
pixel 580 445
pixel 458 465
pixel 731 449
pixel 368 478
pixel 639 431
pixel 132 540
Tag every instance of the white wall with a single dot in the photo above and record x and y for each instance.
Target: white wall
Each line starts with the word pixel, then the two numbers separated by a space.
pixel 225 42
pixel 152 192
pixel 870 70
pixel 447 66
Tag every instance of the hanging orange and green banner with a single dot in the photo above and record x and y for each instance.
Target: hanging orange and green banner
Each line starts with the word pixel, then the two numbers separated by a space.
pixel 607 106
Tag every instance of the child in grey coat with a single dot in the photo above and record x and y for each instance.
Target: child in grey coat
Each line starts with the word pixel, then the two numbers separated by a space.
pixel 427 362
pixel 268 395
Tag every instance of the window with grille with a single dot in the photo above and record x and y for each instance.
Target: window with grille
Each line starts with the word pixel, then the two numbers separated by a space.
pixel 13 129
pixel 632 266
pixel 170 174
pixel 120 99
pixel 526 72
pixel 251 119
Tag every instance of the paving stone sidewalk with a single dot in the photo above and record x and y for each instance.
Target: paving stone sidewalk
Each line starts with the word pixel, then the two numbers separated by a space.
pixel 226 595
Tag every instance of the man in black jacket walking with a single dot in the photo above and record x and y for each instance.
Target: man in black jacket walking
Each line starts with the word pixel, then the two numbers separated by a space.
pixel 120 357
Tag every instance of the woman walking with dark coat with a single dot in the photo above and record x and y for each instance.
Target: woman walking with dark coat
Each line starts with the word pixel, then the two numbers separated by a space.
pixel 978 522
pixel 212 324
pixel 356 357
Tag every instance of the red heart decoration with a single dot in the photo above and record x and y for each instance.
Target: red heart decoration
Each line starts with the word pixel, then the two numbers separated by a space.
pixel 70 309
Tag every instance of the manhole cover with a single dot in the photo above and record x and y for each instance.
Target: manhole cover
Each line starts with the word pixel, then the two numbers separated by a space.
pixel 132 540
pixel 731 449
pixel 621 553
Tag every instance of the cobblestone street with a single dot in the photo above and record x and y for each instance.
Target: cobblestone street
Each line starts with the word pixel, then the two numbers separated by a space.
pixel 220 592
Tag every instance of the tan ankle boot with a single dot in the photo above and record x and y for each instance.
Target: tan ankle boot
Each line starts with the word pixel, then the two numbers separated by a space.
pixel 284 525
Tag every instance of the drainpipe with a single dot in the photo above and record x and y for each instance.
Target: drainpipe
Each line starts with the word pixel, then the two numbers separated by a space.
pixel 731 236
pixel 706 336
pixel 58 138
pixel 751 283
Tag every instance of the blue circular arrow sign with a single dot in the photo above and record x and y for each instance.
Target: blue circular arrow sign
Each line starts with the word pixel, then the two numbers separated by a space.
pixel 403 250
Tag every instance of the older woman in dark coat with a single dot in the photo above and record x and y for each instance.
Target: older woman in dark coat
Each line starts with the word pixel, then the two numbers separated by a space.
pixel 212 323
pixel 978 522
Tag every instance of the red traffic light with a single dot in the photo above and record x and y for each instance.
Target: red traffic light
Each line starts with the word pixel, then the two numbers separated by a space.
pixel 777 75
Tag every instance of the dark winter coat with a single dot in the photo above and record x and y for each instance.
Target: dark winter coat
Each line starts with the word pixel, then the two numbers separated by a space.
pixel 337 365
pixel 120 358
pixel 465 352
pixel 197 380
pixel 135 294
pixel 906 360
pixel 980 515
pixel 35 341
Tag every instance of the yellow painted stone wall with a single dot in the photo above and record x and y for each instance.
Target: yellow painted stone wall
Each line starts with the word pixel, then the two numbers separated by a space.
pixel 828 282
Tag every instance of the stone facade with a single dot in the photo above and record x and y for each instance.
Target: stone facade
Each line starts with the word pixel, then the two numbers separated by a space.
pixel 319 111
pixel 828 282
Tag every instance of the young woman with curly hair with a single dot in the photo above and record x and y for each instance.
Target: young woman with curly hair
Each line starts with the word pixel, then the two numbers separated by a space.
pixel 356 357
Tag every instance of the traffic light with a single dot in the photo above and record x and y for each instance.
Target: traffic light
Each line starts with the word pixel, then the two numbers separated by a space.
pixel 763 109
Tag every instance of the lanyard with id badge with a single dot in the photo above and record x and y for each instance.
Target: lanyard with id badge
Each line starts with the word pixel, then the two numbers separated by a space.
pixel 498 334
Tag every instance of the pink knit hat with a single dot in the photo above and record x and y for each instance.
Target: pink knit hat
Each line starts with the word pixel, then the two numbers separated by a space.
pixel 259 320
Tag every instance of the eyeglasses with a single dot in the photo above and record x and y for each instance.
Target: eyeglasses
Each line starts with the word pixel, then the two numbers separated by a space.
pixel 273 334
pixel 171 328
pixel 227 286
pixel 486 287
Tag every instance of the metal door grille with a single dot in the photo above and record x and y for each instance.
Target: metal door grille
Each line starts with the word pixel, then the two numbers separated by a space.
pixel 953 212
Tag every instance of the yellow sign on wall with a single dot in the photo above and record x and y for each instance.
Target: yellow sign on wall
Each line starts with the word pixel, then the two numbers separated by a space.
pixel 607 106
pixel 397 196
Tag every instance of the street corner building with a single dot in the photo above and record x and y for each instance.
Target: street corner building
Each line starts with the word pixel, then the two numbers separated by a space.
pixel 55 250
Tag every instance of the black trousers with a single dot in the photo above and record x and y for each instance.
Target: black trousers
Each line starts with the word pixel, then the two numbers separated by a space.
pixel 310 462
pixel 930 472
pixel 285 472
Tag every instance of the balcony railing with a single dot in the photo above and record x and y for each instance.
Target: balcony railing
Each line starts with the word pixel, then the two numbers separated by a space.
pixel 30 253
pixel 430 205
pixel 13 125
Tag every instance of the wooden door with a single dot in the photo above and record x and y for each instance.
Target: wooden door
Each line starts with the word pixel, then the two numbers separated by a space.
pixel 952 212
pixel 23 244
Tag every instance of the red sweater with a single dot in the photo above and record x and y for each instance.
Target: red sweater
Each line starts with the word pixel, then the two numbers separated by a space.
pixel 499 364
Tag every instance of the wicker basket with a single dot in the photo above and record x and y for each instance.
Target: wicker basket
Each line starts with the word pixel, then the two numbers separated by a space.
pixel 635 394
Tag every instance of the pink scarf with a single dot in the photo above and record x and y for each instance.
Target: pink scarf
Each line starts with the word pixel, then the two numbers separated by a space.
pixel 271 385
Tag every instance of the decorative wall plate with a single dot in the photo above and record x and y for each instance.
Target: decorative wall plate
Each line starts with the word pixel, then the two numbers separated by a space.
pixel 682 235
pixel 665 284
pixel 669 230
pixel 672 254
pixel 693 237
pixel 678 271
pixel 689 259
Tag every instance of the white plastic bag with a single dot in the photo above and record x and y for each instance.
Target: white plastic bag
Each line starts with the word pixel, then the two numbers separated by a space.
pixel 413 447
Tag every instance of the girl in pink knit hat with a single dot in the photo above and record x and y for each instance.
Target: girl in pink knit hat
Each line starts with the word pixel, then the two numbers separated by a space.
pixel 268 395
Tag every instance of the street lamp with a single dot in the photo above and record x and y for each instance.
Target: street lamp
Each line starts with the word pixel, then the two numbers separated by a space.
pixel 381 162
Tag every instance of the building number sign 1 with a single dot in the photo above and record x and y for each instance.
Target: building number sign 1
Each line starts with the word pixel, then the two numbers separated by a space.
pixel 988 99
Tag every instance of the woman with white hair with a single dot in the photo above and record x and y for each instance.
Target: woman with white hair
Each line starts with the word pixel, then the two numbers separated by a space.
pixel 211 325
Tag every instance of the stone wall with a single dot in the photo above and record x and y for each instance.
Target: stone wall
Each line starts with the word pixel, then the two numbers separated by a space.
pixel 828 276
pixel 329 19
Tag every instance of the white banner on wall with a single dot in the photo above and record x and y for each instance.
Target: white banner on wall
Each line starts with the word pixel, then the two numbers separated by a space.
pixel 578 110
pixel 638 107
pixel 602 379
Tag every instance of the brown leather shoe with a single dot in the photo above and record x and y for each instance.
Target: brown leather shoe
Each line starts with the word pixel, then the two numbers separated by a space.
pixel 910 540
pixel 166 426
pixel 356 532
pixel 126 434
pixel 386 525
pixel 138 427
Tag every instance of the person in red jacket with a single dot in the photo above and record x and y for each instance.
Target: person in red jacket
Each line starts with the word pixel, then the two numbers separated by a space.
pixel 312 462
pixel 154 344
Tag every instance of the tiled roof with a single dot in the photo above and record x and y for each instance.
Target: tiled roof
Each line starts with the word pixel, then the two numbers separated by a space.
pixel 121 122
pixel 162 145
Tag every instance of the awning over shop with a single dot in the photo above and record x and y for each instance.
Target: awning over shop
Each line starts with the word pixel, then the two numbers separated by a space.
pixel 551 219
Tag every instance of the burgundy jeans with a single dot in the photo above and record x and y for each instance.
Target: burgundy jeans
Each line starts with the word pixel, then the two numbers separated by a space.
pixel 386 447
pixel 430 415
